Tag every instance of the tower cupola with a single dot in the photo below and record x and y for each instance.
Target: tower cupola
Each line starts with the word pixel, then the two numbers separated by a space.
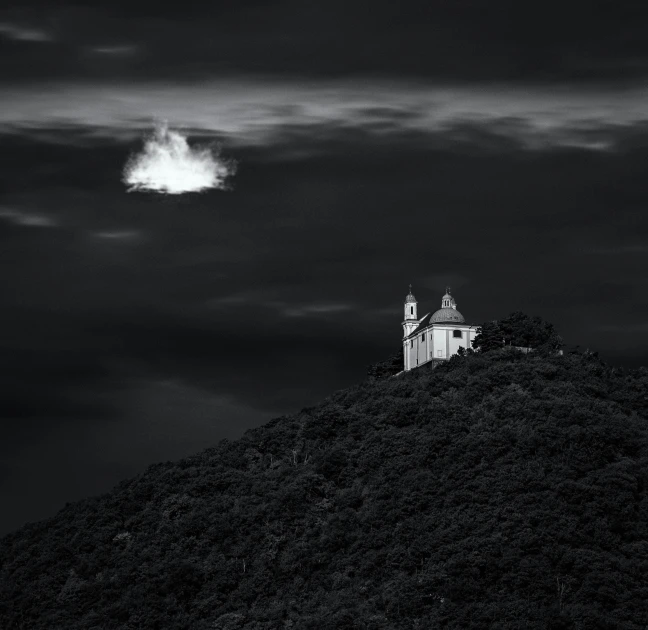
pixel 411 305
pixel 447 301
pixel 448 312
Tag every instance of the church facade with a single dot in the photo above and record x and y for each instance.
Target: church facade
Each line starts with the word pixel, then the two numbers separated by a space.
pixel 436 336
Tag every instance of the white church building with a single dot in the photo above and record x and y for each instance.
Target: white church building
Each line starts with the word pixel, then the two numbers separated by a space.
pixel 436 336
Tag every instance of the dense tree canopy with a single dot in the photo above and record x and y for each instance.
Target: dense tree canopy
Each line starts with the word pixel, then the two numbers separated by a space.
pixel 499 490
pixel 517 329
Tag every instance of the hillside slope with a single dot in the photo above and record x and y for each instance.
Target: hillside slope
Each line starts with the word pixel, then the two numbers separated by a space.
pixel 496 491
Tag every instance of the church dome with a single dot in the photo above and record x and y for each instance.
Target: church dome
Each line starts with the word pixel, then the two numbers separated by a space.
pixel 410 296
pixel 447 316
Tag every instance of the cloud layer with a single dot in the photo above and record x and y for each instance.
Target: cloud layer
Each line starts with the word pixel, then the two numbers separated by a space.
pixel 248 112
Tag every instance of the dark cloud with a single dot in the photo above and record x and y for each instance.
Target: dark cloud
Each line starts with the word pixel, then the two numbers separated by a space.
pixel 448 40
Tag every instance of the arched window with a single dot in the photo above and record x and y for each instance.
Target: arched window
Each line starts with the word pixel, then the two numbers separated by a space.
pixel 411 310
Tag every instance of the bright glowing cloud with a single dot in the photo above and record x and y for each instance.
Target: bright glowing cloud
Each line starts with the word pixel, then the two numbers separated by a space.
pixel 168 165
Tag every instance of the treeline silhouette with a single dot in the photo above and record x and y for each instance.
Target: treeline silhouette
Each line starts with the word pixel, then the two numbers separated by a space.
pixel 498 490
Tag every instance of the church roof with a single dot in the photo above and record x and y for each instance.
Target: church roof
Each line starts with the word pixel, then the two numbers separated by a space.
pixel 447 315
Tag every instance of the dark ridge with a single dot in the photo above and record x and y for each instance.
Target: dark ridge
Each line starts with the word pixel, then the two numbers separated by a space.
pixel 499 490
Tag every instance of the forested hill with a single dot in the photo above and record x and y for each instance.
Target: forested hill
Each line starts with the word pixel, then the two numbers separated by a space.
pixel 499 490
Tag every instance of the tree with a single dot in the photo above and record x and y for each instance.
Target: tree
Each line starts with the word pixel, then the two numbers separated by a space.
pixel 489 337
pixel 517 329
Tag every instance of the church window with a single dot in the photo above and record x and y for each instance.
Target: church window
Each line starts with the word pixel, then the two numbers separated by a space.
pixel 411 310
pixel 423 337
pixel 439 353
pixel 457 333
pixel 412 343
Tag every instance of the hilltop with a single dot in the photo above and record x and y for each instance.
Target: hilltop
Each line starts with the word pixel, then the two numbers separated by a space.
pixel 499 490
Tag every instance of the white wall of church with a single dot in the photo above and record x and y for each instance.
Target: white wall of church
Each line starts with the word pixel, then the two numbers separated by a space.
pixel 464 341
pixel 437 342
pixel 416 350
pixel 423 348
pixel 440 349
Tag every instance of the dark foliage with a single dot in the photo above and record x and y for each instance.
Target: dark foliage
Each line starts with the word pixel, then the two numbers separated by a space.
pixel 518 329
pixel 390 367
pixel 499 490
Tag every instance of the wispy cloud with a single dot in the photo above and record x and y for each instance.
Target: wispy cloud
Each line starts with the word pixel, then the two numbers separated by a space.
pixel 282 307
pixel 639 248
pixel 118 235
pixel 19 217
pixel 313 309
pixel 123 50
pixel 20 33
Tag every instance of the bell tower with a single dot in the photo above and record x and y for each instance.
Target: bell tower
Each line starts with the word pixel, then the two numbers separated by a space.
pixel 411 313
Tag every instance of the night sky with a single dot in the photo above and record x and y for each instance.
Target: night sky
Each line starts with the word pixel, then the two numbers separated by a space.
pixel 499 147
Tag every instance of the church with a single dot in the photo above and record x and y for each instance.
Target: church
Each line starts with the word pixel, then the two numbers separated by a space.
pixel 436 336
